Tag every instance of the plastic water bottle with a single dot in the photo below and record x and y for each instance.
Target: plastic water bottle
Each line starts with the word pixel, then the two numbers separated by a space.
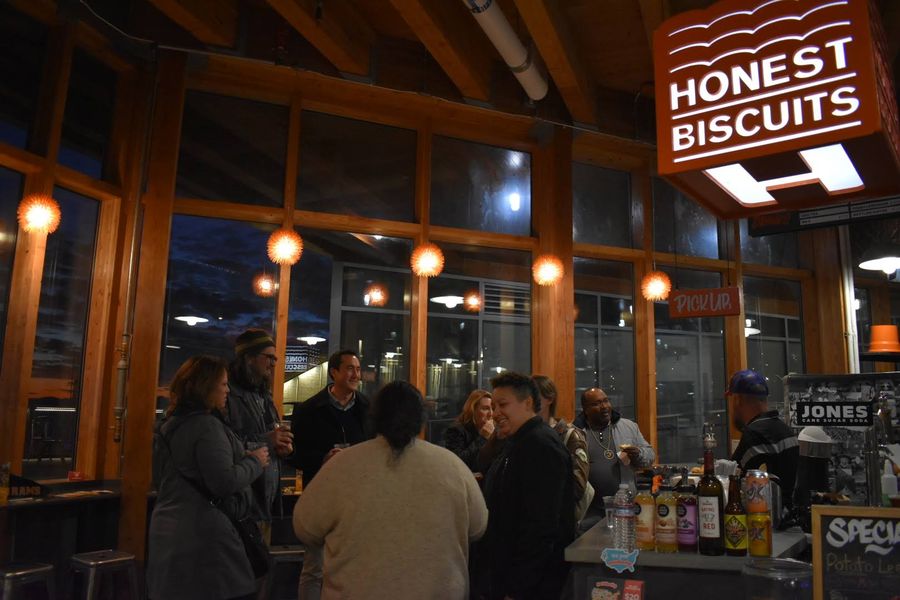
pixel 623 519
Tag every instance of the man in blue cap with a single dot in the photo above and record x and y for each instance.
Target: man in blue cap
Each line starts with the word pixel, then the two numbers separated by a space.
pixel 767 443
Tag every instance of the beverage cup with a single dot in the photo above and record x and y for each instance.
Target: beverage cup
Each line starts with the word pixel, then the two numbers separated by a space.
pixel 284 425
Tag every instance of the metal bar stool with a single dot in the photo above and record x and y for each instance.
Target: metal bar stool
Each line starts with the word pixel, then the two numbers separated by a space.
pixel 94 564
pixel 283 554
pixel 16 575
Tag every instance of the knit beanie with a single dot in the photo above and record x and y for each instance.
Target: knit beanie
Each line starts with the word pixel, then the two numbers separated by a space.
pixel 252 341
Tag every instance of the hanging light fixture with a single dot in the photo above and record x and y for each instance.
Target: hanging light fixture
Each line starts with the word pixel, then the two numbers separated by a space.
pixel 264 285
pixel 472 301
pixel 749 329
pixel 285 246
pixel 427 260
pixel 39 213
pixel 375 295
pixel 655 286
pixel 547 270
pixel 881 257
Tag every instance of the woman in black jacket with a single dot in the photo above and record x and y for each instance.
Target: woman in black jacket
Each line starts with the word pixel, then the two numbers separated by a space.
pixel 472 429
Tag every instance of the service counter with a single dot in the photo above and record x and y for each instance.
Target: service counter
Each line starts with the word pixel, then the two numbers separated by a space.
pixel 670 576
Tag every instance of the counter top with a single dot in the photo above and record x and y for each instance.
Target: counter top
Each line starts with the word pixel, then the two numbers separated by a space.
pixel 587 549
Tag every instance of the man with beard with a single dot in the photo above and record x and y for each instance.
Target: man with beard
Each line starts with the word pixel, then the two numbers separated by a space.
pixel 616 449
pixel 251 414
pixel 335 418
pixel 766 441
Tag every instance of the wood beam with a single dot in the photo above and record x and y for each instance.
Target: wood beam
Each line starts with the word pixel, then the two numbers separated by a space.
pixel 447 31
pixel 340 33
pixel 213 22
pixel 653 13
pixel 644 321
pixel 735 340
pixel 551 34
pixel 418 366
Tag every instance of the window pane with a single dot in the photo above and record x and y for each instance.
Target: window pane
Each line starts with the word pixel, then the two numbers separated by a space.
pixel 207 282
pixel 10 194
pixel 87 123
pixel 469 342
pixel 690 376
pixel 349 291
pixel 604 340
pixel 602 206
pixel 356 168
pixel 475 186
pixel 677 217
pixel 778 250
pixel 232 149
pixel 23 43
pixel 54 395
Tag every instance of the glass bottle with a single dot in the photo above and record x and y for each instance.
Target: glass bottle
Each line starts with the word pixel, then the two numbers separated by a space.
pixel 666 520
pixel 686 509
pixel 623 519
pixel 645 517
pixel 710 501
pixel 735 520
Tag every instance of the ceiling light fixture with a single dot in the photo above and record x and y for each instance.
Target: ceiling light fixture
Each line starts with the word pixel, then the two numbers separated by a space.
pixel 472 301
pixel 881 257
pixel 427 260
pixel 39 213
pixel 264 285
pixel 375 295
pixel 448 301
pixel 190 320
pixel 748 330
pixel 547 270
pixel 655 286
pixel 285 247
pixel 312 340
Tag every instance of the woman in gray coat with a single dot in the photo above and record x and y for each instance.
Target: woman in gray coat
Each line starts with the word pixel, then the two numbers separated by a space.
pixel 194 550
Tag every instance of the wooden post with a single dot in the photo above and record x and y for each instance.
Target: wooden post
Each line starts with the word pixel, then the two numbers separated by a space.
pixel 735 342
pixel 552 316
pixel 644 321
pixel 823 307
pixel 150 303
pixel 418 365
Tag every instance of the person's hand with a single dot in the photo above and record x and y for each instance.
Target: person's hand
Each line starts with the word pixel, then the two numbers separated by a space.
pixel 282 441
pixel 331 454
pixel 260 454
pixel 487 429
pixel 633 452
pixel 623 456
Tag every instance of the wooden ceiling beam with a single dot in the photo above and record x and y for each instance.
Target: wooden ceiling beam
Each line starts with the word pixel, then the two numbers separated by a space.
pixel 213 22
pixel 653 13
pixel 548 28
pixel 450 36
pixel 339 31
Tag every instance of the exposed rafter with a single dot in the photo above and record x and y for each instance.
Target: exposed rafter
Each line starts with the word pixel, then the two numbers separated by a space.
pixel 454 41
pixel 653 13
pixel 212 22
pixel 339 32
pixel 548 28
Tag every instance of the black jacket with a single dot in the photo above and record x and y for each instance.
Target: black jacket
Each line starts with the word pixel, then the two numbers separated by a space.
pixel 529 495
pixel 767 440
pixel 465 442
pixel 316 430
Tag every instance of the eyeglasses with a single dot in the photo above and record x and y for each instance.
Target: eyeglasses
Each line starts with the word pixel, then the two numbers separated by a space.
pixel 270 357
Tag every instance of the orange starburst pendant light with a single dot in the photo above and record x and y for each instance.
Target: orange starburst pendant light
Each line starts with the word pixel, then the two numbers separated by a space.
pixel 427 260
pixel 264 285
pixel 285 247
pixel 39 213
pixel 375 295
pixel 472 301
pixel 547 270
pixel 655 286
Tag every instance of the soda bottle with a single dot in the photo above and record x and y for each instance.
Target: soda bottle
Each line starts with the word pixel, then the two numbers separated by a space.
pixel 666 520
pixel 645 517
pixel 623 519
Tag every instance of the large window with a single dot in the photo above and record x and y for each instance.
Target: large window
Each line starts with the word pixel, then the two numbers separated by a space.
pixel 23 43
pixel 210 297
pixel 232 149
pixel 475 186
pixel 10 194
pixel 349 291
pixel 356 168
pixel 54 393
pixel 690 376
pixel 776 250
pixel 604 332
pixel 682 226
pixel 479 324
pixel 602 207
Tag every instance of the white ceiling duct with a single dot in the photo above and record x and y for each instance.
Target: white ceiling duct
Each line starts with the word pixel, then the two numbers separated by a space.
pixel 497 28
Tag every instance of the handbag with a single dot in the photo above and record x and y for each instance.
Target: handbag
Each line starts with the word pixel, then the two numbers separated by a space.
pixel 255 546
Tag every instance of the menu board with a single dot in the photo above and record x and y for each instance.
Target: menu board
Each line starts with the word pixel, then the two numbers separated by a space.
pixel 856 553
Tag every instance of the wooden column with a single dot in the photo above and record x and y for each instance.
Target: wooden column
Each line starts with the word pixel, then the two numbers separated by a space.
pixel 823 307
pixel 735 342
pixel 552 313
pixel 150 302
pixel 644 321
pixel 419 294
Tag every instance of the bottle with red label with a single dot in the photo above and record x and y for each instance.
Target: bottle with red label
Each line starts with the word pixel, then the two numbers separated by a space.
pixel 710 501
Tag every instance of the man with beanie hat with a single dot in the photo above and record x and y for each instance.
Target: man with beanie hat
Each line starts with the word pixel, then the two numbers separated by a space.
pixel 766 441
pixel 251 414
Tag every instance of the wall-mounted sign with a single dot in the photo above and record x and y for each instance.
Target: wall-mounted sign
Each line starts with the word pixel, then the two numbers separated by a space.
pixel 856 552
pixel 834 414
pixel 776 104
pixel 827 216
pixel 712 302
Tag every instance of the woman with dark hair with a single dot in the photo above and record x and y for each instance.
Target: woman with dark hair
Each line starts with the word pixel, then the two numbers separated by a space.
pixel 194 550
pixel 472 429
pixel 396 514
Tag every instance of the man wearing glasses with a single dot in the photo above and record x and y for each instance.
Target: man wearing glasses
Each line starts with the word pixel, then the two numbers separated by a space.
pixel 252 416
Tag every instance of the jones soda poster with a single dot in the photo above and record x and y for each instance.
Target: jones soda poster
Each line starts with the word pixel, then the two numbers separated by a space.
pixel 856 553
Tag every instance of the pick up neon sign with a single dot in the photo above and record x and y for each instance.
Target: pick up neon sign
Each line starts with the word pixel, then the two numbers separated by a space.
pixel 745 79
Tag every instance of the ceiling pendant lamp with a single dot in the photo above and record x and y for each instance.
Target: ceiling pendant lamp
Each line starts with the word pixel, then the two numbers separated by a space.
pixel 881 257
pixel 375 294
pixel 39 213
pixel 547 270
pixel 427 260
pixel 264 285
pixel 285 247
pixel 472 301
pixel 655 286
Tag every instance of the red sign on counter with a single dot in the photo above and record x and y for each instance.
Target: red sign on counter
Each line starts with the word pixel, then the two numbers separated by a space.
pixel 712 302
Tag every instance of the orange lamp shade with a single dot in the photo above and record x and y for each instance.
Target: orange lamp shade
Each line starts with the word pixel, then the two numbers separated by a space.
pixel 375 295
pixel 547 270
pixel 427 260
pixel 264 285
pixel 472 301
pixel 39 213
pixel 884 339
pixel 655 286
pixel 285 246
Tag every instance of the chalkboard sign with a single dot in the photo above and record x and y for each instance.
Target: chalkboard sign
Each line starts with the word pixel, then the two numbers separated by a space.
pixel 856 552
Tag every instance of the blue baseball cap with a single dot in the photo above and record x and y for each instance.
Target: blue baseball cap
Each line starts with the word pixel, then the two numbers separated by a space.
pixel 749 383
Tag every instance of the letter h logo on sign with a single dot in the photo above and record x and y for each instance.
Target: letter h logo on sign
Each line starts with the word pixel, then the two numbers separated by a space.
pixel 759 97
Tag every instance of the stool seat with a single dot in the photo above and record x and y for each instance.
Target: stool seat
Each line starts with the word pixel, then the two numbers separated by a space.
pixel 101 559
pixel 25 570
pixel 94 564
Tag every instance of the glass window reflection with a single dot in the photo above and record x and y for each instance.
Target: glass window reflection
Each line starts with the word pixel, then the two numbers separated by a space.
pixel 777 250
pixel 476 186
pixel 682 225
pixel 602 206
pixel 10 193
pixel 23 43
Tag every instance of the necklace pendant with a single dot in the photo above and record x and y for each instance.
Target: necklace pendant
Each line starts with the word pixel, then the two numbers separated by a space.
pixel 608 454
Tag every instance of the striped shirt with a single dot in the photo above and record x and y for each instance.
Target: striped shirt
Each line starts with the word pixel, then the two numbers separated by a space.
pixel 768 441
